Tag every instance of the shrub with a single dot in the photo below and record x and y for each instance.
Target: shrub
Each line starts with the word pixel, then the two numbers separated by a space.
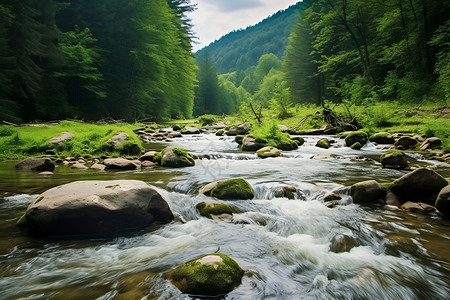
pixel 207 120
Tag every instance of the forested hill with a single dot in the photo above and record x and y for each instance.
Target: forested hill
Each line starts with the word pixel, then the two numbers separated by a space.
pixel 241 49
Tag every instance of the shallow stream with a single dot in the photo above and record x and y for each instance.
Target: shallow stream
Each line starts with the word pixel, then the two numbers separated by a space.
pixel 283 245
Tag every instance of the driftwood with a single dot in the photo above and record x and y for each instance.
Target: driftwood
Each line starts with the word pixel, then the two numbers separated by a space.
pixel 9 123
pixel 331 118
pixel 258 116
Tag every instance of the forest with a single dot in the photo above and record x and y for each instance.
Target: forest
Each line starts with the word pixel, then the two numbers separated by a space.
pixel 133 60
pixel 124 59
pixel 343 51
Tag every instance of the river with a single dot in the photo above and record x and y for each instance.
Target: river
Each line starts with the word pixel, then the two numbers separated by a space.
pixel 283 245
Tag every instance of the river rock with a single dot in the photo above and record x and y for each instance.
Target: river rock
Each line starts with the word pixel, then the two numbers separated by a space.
pixel 394 159
pixel 342 243
pixel 175 134
pixel 211 275
pixel 97 208
pixel 98 167
pixel 332 196
pixel 212 209
pixel 241 129
pixel 61 138
pixel 36 164
pixel 229 189
pixel 176 128
pixel 382 138
pixel 190 130
pixel 367 192
pixel 322 156
pixel 356 146
pixel 418 207
pixel 118 139
pixel 406 142
pixel 287 145
pixel 356 137
pixel 220 132
pixel 323 143
pixel 287 191
pixel 250 144
pixel 267 152
pixel 148 164
pixel 121 164
pixel 46 173
pixel 431 143
pixel 443 202
pixel 176 157
pixel 299 140
pixel 239 138
pixel 79 166
pixel 419 185
pixel 148 156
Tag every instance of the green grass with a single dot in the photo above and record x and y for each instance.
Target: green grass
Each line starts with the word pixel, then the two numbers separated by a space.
pixel 89 140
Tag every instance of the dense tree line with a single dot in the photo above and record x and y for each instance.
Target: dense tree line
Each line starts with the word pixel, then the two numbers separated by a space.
pixel 370 50
pixel 241 49
pixel 91 59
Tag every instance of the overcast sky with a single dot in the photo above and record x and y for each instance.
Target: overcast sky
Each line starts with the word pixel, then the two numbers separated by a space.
pixel 215 18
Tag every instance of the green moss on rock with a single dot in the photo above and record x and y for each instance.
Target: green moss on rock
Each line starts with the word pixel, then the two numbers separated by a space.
pixel 394 159
pixel 323 143
pixel 356 137
pixel 233 189
pixel 211 275
pixel 382 138
pixel 208 209
pixel 356 146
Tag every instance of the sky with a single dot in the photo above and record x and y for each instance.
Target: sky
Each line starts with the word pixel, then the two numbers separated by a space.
pixel 215 18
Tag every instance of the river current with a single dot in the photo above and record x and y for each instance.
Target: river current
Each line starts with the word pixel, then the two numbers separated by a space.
pixel 283 245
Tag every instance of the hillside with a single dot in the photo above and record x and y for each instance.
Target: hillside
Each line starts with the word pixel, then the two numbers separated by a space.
pixel 241 49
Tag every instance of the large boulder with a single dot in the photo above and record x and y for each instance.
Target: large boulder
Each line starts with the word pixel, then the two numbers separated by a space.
pixel 382 138
pixel 251 144
pixel 176 157
pixel 267 152
pixel 356 137
pixel 395 159
pixel 420 185
pixel 229 189
pixel 36 164
pixel 121 164
pixel 287 145
pixel 211 275
pixel 367 192
pixel 443 202
pixel 406 142
pixel 96 208
pixel 418 207
pixel 241 129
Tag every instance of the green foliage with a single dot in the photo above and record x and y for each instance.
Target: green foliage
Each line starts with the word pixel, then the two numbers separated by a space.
pixel 270 134
pixel 6 130
pixel 89 139
pixel 207 119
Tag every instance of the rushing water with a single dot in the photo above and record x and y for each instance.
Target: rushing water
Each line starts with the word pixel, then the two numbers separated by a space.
pixel 282 244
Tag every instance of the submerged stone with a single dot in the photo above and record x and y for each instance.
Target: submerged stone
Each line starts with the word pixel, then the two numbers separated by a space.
pixel 210 209
pixel 36 164
pixel 211 275
pixel 342 243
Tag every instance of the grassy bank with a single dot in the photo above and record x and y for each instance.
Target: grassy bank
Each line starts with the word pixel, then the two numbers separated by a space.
pixel 429 119
pixel 90 140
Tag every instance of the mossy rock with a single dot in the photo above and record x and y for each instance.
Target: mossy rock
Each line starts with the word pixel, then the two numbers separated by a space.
pixel 382 138
pixel 176 157
pixel 323 143
pixel 210 209
pixel 356 146
pixel 220 132
pixel 287 145
pixel 299 140
pixel 157 157
pixel 211 275
pixel 229 189
pixel 267 152
pixel 239 138
pixel 394 159
pixel 356 137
